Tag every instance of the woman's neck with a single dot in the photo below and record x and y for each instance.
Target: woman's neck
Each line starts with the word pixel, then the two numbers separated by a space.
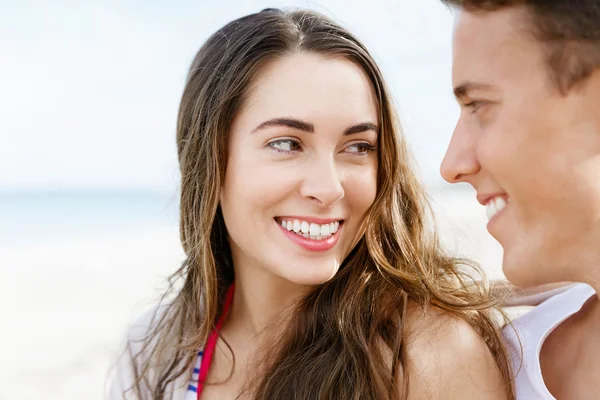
pixel 260 301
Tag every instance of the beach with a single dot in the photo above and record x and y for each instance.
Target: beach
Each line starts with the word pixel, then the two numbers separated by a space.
pixel 67 299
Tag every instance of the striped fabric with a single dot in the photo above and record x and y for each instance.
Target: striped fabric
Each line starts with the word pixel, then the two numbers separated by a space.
pixel 191 393
pixel 205 355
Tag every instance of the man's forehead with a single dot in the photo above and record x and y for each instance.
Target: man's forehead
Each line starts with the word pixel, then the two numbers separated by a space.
pixel 489 45
pixel 490 28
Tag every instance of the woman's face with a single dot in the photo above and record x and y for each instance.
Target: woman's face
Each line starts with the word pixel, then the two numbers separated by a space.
pixel 302 168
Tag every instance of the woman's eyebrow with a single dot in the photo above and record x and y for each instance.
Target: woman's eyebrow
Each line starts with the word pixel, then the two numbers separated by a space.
pixel 362 127
pixel 310 128
pixel 287 122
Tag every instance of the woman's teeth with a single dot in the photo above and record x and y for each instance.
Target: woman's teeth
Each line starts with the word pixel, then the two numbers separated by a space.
pixel 311 230
pixel 494 206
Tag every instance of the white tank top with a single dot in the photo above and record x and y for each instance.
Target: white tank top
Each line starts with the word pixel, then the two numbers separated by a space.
pixel 533 328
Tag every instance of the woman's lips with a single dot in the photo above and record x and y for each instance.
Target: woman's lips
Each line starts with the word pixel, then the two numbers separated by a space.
pixel 317 243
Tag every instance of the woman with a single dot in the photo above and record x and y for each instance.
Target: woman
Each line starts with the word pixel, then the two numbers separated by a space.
pixel 310 273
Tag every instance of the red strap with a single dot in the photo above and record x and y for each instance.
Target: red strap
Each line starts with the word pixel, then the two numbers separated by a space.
pixel 212 342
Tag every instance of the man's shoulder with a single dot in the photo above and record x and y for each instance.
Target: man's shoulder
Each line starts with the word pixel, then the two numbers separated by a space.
pixel 531 324
pixel 525 335
pixel 555 305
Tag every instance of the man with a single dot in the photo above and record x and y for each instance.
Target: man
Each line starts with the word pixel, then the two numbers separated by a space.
pixel 526 74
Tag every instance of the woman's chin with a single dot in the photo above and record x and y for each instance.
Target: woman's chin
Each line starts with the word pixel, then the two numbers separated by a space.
pixel 316 275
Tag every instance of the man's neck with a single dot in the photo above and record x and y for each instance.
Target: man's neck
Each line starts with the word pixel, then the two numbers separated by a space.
pixel 570 356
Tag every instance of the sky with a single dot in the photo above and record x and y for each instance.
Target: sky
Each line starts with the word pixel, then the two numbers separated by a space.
pixel 89 91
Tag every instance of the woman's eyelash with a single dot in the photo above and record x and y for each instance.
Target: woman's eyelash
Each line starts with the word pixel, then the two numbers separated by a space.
pixel 367 147
pixel 284 145
pixel 291 146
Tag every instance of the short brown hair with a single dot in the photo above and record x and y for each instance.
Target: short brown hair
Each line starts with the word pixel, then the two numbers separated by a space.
pixel 569 29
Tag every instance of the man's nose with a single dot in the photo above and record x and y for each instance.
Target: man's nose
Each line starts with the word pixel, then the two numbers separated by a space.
pixel 460 162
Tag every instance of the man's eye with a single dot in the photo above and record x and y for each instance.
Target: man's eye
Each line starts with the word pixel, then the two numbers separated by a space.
pixel 474 105
pixel 285 145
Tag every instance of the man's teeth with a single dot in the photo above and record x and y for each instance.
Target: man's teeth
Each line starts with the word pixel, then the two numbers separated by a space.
pixel 494 206
pixel 311 230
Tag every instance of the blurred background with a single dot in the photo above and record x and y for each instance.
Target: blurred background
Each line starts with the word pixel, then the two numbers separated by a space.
pixel 89 93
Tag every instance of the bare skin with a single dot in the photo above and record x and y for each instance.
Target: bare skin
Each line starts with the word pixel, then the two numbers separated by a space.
pixel 569 357
pixel 449 360
pixel 520 139
pixel 284 170
pixel 328 177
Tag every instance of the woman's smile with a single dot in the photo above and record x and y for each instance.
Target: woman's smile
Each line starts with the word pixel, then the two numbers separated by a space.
pixel 314 234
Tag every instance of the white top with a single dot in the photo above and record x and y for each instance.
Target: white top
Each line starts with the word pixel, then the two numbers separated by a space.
pixel 533 328
pixel 121 374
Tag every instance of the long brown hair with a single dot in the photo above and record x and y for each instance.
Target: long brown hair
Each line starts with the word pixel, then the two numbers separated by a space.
pixel 333 345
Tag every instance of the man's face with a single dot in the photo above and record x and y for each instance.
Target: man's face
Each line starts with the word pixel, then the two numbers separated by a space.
pixel 532 153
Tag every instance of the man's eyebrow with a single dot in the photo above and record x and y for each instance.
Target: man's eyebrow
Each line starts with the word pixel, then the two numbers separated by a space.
pixel 463 89
pixel 310 128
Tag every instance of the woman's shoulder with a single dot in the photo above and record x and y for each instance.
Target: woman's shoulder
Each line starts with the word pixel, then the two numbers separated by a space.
pixel 448 359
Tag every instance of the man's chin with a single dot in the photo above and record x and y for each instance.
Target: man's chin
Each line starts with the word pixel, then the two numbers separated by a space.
pixel 521 270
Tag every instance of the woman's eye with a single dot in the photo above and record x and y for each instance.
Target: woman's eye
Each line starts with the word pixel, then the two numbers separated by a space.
pixel 362 148
pixel 285 145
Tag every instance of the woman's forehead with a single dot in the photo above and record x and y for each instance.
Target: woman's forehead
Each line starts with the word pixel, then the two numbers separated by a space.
pixel 310 86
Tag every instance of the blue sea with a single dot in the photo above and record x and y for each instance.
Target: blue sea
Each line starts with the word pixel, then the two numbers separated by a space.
pixel 34 217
